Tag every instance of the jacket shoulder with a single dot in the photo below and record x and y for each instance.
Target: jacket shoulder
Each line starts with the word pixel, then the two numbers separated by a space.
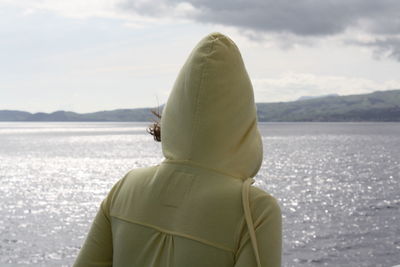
pixel 130 177
pixel 267 220
pixel 136 176
pixel 131 174
pixel 264 206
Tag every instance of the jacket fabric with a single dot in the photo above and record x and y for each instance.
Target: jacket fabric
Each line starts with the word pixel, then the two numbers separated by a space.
pixel 197 207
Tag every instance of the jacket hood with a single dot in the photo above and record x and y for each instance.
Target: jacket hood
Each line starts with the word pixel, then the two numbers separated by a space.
pixel 210 117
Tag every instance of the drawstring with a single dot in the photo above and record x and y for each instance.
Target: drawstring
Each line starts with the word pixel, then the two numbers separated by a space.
pixel 247 214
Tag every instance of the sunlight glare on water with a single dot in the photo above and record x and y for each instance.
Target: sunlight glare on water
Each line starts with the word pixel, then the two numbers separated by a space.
pixel 337 184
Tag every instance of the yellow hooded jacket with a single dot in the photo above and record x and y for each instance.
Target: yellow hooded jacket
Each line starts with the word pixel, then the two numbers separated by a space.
pixel 197 207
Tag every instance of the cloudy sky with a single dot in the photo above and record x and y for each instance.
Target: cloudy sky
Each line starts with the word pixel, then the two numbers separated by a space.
pixel 90 55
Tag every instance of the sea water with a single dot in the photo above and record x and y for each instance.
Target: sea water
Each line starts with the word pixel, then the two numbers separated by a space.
pixel 338 185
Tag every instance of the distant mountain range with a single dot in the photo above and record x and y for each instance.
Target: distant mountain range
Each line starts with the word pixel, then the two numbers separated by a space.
pixel 376 106
pixel 313 97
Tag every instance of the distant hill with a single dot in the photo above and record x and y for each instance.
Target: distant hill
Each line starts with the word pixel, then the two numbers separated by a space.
pixel 313 97
pixel 137 114
pixel 376 106
pixel 14 115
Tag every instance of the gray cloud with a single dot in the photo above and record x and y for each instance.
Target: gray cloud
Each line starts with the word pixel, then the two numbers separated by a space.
pixel 389 47
pixel 301 18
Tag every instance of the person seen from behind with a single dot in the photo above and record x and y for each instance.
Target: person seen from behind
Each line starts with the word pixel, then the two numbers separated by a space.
pixel 197 207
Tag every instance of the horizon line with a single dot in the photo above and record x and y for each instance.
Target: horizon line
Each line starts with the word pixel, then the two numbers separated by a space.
pixel 299 99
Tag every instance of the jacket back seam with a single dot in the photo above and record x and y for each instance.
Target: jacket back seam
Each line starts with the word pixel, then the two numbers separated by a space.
pixel 201 240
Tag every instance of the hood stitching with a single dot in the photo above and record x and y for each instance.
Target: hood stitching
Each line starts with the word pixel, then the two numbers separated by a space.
pixel 196 164
pixel 196 118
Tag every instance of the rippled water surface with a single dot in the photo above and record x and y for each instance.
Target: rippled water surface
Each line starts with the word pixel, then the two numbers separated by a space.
pixel 338 185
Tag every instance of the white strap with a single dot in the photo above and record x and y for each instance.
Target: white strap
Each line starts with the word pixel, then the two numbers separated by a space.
pixel 247 214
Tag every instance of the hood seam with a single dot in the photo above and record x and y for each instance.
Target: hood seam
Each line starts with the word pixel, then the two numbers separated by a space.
pixel 196 119
pixel 196 164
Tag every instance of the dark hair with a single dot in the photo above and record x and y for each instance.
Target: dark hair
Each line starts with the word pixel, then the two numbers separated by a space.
pixel 155 128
